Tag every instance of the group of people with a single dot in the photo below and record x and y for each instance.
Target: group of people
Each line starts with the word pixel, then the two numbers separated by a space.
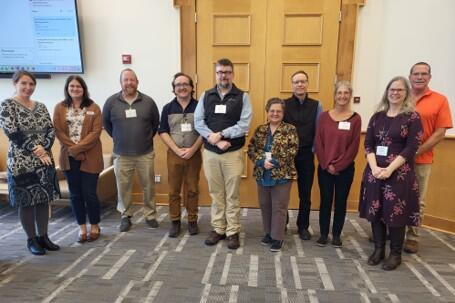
pixel 409 121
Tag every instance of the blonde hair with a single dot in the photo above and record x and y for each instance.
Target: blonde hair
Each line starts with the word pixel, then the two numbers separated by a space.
pixel 342 83
pixel 338 85
pixel 407 105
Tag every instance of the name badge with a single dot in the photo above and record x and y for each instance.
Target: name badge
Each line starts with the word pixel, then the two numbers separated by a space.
pixel 381 150
pixel 90 113
pixel 344 125
pixel 220 109
pixel 130 113
pixel 185 127
pixel 268 156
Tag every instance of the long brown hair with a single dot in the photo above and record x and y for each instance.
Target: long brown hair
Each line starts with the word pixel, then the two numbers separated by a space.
pixel 407 106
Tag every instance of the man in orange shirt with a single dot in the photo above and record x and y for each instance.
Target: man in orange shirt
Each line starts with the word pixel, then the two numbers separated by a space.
pixel 436 119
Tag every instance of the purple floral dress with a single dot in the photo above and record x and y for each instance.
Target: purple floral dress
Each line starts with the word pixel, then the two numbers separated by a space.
pixel 396 199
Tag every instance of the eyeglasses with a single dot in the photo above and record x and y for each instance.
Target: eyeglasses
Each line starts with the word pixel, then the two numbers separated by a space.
pixel 300 82
pixel 420 74
pixel 396 90
pixel 179 85
pixel 227 72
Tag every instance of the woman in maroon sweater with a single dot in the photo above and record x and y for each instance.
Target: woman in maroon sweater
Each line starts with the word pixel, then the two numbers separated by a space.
pixel 336 143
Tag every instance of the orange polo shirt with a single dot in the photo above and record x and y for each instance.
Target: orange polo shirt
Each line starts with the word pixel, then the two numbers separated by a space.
pixel 435 113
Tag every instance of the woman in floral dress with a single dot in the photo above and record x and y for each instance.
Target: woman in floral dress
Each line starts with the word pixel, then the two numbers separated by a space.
pixel 389 196
pixel 32 180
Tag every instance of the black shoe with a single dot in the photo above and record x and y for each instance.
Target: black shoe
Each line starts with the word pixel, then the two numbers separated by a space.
pixel 304 234
pixel 193 229
pixel 322 241
pixel 125 224
pixel 214 238
pixel 152 223
pixel 392 262
pixel 46 243
pixel 34 247
pixel 276 245
pixel 175 229
pixel 377 256
pixel 336 242
pixel 266 240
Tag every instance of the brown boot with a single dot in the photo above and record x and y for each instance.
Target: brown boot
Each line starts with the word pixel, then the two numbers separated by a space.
pixel 175 229
pixel 214 238
pixel 379 230
pixel 411 246
pixel 392 262
pixel 396 246
pixel 233 241
pixel 193 229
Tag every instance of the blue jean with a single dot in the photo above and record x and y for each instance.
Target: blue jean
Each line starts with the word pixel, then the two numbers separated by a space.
pixel 84 200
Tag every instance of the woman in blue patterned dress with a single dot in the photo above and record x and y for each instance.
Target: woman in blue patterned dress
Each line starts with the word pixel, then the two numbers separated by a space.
pixel 389 196
pixel 32 181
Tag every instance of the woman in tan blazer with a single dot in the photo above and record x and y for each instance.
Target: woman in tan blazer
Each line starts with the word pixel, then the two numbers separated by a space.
pixel 78 125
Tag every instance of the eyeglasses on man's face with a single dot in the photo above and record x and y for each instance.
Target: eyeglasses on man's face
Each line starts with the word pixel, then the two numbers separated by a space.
pixel 224 72
pixel 179 85
pixel 297 82
pixel 417 74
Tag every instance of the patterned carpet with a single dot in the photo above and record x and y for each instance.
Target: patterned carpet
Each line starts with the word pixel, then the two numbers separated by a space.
pixel 145 265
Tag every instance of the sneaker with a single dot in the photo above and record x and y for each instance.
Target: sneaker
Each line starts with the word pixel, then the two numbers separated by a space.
pixel 336 242
pixel 411 246
pixel 276 245
pixel 193 229
pixel 304 234
pixel 233 241
pixel 152 223
pixel 322 241
pixel 175 229
pixel 214 238
pixel 267 240
pixel 125 224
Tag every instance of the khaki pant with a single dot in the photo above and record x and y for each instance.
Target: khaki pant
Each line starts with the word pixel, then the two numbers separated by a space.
pixel 181 171
pixel 124 168
pixel 223 173
pixel 423 172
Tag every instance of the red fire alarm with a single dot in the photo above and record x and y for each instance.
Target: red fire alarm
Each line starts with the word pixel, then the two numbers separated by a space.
pixel 126 59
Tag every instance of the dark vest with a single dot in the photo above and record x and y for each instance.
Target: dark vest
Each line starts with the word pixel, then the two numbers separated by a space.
pixel 217 122
pixel 303 117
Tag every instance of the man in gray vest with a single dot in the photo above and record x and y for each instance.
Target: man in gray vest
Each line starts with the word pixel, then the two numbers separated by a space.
pixel 184 153
pixel 131 118
pixel 222 118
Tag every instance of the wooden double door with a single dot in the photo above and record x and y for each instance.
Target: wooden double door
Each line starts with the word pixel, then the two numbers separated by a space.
pixel 268 40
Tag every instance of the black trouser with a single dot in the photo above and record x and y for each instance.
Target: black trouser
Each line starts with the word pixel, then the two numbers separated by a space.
pixel 328 186
pixel 84 200
pixel 304 163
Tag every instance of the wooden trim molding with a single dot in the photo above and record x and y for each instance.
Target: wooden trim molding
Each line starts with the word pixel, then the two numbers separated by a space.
pixel 188 20
pixel 180 3
pixel 346 38
pixel 439 224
